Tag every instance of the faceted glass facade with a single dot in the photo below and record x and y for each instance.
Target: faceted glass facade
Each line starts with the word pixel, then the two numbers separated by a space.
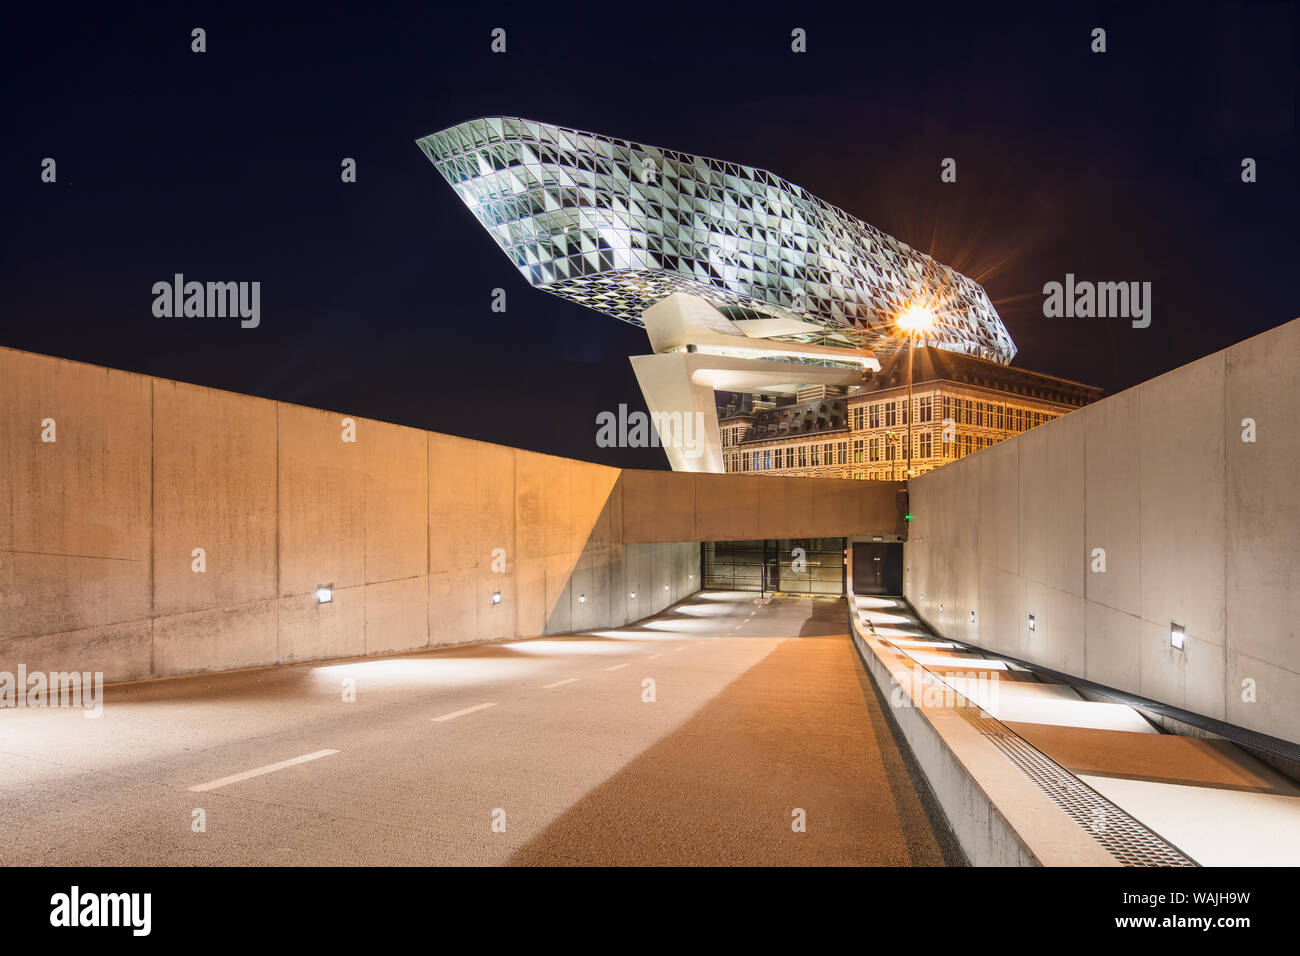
pixel 618 226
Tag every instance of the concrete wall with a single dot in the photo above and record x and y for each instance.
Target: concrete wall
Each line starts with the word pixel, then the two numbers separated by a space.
pixel 679 506
pixel 1198 527
pixel 98 529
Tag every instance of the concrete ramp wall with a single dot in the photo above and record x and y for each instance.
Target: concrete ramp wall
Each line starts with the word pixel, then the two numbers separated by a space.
pixel 666 505
pixel 416 531
pixel 1195 525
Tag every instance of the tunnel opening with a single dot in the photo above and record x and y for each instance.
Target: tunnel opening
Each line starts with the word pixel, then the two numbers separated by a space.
pixel 812 567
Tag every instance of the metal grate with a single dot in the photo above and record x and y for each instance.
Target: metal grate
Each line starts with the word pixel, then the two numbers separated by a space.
pixel 1123 836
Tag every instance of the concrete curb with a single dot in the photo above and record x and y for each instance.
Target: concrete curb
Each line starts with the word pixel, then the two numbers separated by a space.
pixel 999 817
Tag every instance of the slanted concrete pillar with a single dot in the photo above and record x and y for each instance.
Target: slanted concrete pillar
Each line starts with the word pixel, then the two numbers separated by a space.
pixel 699 350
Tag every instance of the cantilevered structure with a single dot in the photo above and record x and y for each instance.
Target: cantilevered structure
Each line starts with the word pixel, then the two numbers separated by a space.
pixel 743 280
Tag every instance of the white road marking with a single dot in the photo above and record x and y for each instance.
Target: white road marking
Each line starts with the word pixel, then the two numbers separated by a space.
pixel 679 648
pixel 559 683
pixel 653 656
pixel 461 713
pixel 616 667
pixel 269 768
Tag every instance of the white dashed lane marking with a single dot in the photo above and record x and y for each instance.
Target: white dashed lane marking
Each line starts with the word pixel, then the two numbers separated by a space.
pixel 461 713
pixel 269 768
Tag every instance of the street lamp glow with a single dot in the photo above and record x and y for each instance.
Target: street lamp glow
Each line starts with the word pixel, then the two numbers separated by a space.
pixel 915 319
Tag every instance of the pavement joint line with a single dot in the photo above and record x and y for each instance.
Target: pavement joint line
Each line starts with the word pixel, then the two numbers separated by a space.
pixel 461 713
pixel 617 667
pixel 269 768
pixel 559 683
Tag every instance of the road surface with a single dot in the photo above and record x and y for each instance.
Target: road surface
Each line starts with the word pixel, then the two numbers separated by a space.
pixel 546 751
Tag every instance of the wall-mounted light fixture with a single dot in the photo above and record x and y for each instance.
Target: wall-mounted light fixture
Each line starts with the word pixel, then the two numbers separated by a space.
pixel 1031 622
pixel 496 597
pixel 1177 634
pixel 972 617
pixel 632 595
pixel 582 599
pixel 325 594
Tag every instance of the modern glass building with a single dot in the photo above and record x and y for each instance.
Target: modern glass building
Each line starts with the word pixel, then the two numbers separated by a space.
pixel 619 226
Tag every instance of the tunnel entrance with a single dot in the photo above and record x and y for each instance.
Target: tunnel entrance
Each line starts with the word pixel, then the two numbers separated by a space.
pixel 811 566
pixel 877 567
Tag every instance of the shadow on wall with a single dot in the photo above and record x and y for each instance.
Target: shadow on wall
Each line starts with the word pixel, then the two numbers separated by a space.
pixel 163 528
pixel 152 528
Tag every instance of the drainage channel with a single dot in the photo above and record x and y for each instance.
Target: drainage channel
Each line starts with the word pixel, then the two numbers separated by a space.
pixel 1129 841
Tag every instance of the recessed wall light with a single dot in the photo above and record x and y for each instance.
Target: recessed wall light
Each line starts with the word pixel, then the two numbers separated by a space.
pixel 972 617
pixel 665 587
pixel 1177 635
pixel 1031 622
pixel 632 595
pixel 582 599
pixel 496 597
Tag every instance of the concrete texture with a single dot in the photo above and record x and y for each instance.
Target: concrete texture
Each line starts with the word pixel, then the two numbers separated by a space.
pixel 1161 758
pixel 416 532
pixel 661 506
pixel 1207 798
pixel 758 710
pixel 1250 828
pixel 1199 528
pixel 996 813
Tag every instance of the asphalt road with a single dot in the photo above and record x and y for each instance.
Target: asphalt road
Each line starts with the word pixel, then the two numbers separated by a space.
pixel 546 751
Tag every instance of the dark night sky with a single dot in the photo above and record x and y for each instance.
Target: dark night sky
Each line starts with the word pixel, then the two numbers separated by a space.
pixel 375 296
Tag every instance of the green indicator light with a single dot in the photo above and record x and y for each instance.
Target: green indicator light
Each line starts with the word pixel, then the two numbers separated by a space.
pixel 907 517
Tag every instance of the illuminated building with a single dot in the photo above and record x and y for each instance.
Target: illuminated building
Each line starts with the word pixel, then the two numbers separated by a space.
pixel 743 281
